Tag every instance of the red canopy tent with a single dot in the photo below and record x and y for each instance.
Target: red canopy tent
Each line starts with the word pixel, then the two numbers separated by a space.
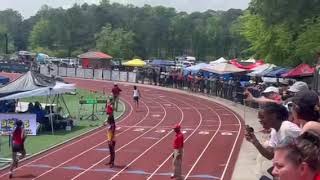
pixel 300 71
pixel 94 59
pixel 248 67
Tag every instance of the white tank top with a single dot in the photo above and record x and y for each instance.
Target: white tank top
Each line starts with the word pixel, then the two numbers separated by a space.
pixel 135 93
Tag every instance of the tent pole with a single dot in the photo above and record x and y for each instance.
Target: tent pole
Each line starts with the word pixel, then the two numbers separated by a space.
pixel 51 119
pixel 64 102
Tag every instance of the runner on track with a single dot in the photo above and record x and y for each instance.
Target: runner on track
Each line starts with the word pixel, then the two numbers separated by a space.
pixel 177 152
pixel 18 139
pixel 136 96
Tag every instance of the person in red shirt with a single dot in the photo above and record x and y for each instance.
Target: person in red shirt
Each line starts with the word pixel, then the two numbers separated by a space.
pixel 115 93
pixel 177 152
pixel 109 108
pixel 18 138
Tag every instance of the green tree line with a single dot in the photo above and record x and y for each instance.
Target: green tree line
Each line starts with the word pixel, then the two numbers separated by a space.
pixel 284 32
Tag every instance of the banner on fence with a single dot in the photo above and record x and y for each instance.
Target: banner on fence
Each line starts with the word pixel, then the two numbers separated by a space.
pixel 80 73
pixel 115 76
pixel 54 70
pixel 123 76
pixel 107 74
pixel 88 73
pixel 98 74
pixel 7 122
pixel 71 72
pixel 62 71
pixel 132 77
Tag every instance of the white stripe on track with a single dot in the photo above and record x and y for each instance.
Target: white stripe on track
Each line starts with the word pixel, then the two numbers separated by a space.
pixel 78 155
pixel 165 113
pixel 65 146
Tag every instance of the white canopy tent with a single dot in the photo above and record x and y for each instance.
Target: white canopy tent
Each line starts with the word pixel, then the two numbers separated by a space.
pixel 223 68
pixel 259 69
pixel 220 60
pixel 58 88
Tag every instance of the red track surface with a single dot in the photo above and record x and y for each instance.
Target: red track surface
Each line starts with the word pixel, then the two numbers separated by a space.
pixel 213 135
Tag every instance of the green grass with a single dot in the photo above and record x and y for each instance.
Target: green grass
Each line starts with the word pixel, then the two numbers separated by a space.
pixel 45 139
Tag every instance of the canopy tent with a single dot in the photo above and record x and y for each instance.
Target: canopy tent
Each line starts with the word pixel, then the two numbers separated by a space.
pixel 276 72
pixel 259 69
pixel 223 68
pixel 220 60
pixel 195 69
pixel 27 82
pixel 249 67
pixel 41 58
pixel 4 80
pixel 58 88
pixel 160 62
pixel 250 60
pixel 300 71
pixel 34 84
pixel 135 63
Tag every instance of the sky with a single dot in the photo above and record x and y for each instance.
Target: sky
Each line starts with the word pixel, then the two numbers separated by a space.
pixel 29 7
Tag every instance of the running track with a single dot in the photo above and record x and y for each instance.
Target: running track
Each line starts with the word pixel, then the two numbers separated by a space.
pixel 213 134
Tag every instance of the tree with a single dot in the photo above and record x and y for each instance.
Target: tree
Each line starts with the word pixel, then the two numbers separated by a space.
pixel 117 42
pixel 40 36
pixel 308 43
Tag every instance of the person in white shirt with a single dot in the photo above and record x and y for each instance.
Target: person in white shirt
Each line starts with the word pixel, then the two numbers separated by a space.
pixel 136 96
pixel 275 117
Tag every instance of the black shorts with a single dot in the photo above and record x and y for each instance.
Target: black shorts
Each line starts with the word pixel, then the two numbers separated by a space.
pixel 136 98
pixel 18 148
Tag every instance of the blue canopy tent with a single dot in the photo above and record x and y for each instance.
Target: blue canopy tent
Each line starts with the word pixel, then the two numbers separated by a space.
pixel 4 80
pixel 277 72
pixel 194 69
pixel 160 62
pixel 263 73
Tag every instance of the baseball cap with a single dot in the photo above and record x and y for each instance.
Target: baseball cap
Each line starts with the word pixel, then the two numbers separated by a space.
pixel 305 99
pixel 177 126
pixel 271 89
pixel 298 86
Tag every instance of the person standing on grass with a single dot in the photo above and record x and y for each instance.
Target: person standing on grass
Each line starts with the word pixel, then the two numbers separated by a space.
pixel 115 93
pixel 177 152
pixel 18 139
pixel 111 139
pixel 136 96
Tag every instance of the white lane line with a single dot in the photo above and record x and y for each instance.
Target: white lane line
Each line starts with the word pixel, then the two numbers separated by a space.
pixel 170 156
pixel 67 145
pixel 147 150
pixel 78 155
pixel 88 169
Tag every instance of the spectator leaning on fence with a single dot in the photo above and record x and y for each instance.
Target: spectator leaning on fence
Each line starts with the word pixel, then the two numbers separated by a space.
pixel 270 95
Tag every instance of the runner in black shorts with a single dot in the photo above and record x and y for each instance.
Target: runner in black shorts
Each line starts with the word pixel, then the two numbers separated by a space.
pixel 18 138
pixel 136 96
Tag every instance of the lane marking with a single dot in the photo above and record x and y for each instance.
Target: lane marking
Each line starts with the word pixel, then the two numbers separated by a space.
pixel 204 132
pixel 138 129
pixel 80 154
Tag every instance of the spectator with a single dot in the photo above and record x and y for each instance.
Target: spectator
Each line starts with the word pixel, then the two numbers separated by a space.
pixel 275 117
pixel 298 159
pixel 305 109
pixel 270 95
